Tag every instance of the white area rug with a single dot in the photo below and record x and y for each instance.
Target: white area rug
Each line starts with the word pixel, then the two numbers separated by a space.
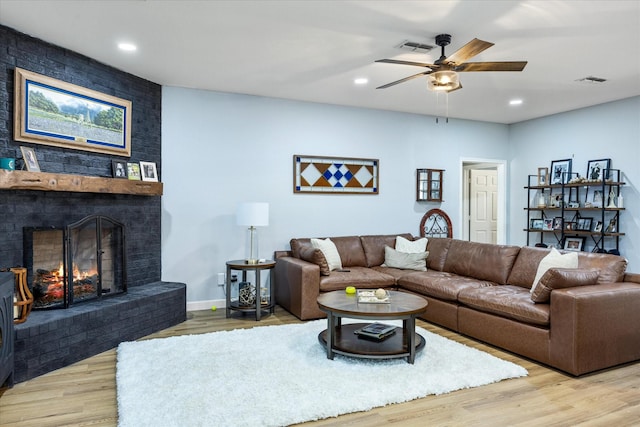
pixel 280 375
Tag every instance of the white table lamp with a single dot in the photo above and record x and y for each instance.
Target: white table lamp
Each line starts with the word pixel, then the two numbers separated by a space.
pixel 253 214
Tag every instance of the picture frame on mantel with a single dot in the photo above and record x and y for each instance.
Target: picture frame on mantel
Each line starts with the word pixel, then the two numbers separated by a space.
pixel 29 158
pixel 148 171
pixel 53 112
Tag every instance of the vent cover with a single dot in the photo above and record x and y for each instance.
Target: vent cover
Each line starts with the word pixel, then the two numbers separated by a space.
pixel 415 47
pixel 591 79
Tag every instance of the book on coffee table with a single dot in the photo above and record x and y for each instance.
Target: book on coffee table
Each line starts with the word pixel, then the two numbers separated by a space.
pixel 378 331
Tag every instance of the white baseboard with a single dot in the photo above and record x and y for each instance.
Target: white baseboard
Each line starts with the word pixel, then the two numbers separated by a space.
pixel 206 305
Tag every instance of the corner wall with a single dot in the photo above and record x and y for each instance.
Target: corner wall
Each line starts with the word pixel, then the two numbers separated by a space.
pixel 606 131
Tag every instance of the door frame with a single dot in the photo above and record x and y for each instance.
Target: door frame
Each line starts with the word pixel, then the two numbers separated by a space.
pixel 466 164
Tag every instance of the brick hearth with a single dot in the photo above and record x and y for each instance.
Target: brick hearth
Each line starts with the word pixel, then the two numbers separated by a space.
pixel 52 339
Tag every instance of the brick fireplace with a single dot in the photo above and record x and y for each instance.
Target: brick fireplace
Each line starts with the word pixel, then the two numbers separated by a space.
pixel 149 304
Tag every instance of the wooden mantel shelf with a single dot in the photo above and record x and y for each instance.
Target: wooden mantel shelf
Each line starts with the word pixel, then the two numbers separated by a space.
pixel 44 181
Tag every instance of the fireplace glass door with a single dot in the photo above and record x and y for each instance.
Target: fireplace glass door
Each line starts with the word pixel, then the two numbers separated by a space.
pixel 83 261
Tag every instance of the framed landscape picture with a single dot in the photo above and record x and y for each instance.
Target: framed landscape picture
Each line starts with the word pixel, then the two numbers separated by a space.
pixel 52 112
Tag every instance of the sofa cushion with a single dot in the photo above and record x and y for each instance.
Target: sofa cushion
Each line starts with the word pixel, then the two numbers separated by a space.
pixel 559 278
pixel 411 246
pixel 405 261
pixel 611 267
pixel 315 256
pixel 555 259
pixel 373 246
pixel 482 261
pixel 513 302
pixel 329 251
pixel 360 277
pixel 439 284
pixel 349 248
pixel 438 248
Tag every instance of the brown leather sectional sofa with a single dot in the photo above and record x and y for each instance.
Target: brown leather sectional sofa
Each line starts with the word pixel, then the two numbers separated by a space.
pixel 482 291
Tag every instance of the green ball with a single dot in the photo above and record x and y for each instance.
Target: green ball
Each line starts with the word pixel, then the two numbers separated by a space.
pixel 214 308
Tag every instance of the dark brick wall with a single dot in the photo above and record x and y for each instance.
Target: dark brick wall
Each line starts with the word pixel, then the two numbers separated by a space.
pixel 18 209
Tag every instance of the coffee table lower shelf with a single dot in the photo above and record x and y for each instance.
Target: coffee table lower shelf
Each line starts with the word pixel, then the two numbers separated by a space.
pixel 349 344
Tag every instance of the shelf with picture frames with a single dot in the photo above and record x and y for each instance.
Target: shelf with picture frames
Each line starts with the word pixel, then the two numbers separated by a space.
pixel 45 181
pixel 577 213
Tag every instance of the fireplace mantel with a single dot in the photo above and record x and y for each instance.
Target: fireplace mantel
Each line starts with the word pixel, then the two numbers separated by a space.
pixel 45 181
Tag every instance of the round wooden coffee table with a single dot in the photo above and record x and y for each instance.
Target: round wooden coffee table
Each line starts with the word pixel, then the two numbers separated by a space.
pixel 341 339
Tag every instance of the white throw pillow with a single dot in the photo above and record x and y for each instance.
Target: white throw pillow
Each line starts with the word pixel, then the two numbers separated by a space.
pixel 405 261
pixel 555 260
pixel 411 247
pixel 328 248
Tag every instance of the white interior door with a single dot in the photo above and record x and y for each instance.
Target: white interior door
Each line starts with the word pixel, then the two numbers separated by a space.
pixel 483 206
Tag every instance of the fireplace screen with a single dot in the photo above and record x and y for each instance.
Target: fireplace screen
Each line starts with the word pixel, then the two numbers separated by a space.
pixel 83 261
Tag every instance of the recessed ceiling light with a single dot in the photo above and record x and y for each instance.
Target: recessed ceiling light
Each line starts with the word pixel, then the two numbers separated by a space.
pixel 361 81
pixel 515 102
pixel 127 47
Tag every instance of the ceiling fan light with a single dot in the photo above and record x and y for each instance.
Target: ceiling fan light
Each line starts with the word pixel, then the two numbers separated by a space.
pixel 443 81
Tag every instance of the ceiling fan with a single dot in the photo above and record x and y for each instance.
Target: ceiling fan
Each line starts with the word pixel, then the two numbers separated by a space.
pixel 442 74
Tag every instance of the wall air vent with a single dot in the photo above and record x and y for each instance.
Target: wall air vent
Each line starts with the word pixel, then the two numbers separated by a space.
pixel 592 80
pixel 415 47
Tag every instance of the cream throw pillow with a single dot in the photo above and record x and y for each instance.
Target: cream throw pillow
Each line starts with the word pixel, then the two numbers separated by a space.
pixel 328 248
pixel 405 261
pixel 411 247
pixel 555 260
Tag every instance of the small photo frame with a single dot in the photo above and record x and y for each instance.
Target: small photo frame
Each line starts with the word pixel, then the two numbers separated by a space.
pixel 548 224
pixel 30 159
pixel 575 244
pixel 536 224
pixel 584 224
pixel 119 169
pixel 612 227
pixel 148 171
pixel 560 172
pixel 597 228
pixel 133 171
pixel 557 223
pixel 543 176
pixel 597 170
pixel 597 199
pixel 570 226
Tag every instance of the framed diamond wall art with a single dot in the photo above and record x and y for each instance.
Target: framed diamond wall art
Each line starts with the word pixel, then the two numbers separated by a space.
pixel 335 175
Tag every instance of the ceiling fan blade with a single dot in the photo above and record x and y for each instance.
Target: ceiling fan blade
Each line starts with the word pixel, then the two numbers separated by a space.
pixel 467 52
pixel 492 66
pixel 397 61
pixel 403 80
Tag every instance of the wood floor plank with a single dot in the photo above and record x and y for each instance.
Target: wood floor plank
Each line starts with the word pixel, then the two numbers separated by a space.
pixel 84 394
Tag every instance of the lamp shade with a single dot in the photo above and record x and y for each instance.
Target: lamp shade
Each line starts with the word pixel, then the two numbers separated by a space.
pixel 254 214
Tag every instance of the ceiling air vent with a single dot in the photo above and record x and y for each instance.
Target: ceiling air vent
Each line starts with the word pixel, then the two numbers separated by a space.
pixel 592 79
pixel 415 47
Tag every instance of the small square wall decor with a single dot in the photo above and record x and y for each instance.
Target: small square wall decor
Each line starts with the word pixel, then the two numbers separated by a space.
pixel 335 175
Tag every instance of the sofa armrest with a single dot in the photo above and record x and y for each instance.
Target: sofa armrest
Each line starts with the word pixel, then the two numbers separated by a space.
pixel 595 327
pixel 632 277
pixel 297 287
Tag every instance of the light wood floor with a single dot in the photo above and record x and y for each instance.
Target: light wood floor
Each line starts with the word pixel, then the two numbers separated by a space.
pixel 84 394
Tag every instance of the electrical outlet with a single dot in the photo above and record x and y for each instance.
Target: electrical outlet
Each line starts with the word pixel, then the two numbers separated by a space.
pixel 220 279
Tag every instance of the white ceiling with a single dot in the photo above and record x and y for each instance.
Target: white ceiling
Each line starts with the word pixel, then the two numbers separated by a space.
pixel 312 50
